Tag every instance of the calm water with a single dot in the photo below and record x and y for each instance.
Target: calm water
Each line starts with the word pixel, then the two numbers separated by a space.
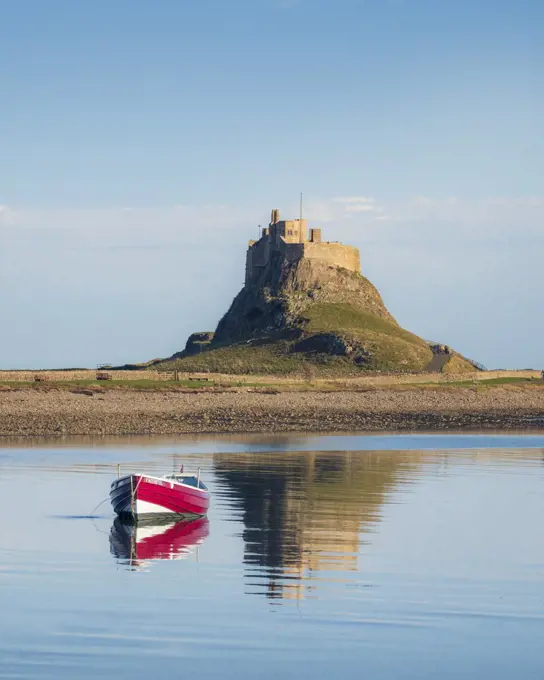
pixel 376 556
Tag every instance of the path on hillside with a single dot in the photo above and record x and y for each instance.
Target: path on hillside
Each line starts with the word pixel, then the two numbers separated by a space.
pixel 437 363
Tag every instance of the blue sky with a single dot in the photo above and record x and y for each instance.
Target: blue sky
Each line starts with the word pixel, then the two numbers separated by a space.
pixel 143 142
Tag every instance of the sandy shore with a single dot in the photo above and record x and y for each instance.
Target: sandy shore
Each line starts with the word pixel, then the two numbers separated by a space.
pixel 31 412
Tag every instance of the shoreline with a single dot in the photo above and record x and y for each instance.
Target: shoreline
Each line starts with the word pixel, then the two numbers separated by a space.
pixel 27 412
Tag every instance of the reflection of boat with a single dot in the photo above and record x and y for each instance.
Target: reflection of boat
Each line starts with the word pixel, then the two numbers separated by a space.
pixel 136 541
pixel 174 495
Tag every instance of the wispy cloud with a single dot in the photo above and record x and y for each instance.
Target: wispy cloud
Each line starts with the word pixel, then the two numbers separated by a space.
pixel 353 205
pixel 481 216
pixel 355 199
pixel 418 218
pixel 187 218
pixel 8 216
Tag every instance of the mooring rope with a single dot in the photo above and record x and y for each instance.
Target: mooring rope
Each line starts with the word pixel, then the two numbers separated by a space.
pixel 101 503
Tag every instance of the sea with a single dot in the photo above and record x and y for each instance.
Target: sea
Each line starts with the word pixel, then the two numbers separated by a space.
pixel 378 556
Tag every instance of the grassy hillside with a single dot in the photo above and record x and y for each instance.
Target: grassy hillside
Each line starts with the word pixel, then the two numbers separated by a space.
pixel 391 348
pixel 458 364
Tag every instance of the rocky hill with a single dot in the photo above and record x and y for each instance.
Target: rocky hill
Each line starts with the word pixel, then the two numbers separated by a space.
pixel 302 310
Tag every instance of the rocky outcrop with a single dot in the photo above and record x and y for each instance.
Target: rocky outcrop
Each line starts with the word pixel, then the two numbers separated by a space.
pixel 277 302
pixel 333 344
pixel 299 308
pixel 197 342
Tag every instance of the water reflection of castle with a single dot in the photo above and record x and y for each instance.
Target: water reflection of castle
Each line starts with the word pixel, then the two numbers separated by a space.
pixel 303 513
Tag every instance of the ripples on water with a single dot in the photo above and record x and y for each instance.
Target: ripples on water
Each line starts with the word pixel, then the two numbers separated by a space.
pixel 320 557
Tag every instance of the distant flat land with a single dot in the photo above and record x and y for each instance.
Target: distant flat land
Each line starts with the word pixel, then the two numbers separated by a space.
pixel 167 380
pixel 146 402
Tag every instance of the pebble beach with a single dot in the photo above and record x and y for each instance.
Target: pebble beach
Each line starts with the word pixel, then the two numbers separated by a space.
pixel 26 412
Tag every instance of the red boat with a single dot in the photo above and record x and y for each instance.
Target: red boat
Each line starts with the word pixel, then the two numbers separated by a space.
pixel 139 542
pixel 139 496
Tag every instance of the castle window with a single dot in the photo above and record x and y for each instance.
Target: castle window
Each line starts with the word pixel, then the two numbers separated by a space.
pixel 290 232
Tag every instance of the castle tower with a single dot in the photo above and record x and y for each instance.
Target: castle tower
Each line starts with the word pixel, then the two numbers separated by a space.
pixel 292 231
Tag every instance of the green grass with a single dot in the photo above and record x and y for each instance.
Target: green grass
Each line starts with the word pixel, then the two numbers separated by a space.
pixel 243 359
pixel 458 364
pixel 491 382
pixel 330 370
pixel 392 348
pixel 336 316
pixel 142 384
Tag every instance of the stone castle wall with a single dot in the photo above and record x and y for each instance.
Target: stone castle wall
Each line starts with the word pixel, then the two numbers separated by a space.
pixel 335 254
pixel 258 256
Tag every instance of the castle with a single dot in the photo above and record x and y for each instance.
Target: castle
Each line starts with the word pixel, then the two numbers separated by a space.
pixel 290 240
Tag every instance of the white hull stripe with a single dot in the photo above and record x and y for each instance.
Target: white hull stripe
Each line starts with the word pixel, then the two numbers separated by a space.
pixel 145 508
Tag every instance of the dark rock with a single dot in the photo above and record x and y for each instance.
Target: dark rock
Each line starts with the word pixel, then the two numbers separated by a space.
pixel 198 341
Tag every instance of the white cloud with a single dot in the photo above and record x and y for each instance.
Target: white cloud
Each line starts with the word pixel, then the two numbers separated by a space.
pixel 355 199
pixel 8 217
pixel 476 217
pixel 352 205
pixel 362 207
pixel 180 217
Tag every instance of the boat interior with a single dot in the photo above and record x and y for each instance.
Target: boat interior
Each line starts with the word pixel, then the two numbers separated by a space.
pixel 189 480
